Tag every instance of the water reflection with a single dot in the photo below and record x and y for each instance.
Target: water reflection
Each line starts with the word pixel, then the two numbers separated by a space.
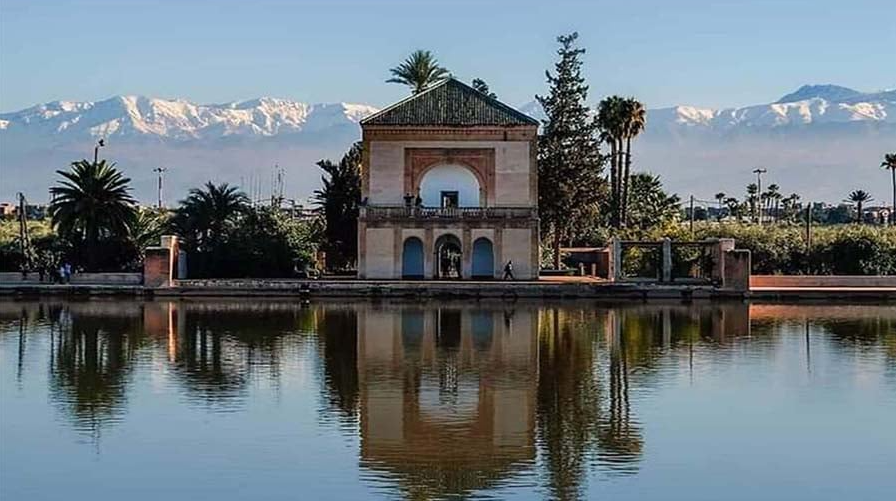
pixel 444 400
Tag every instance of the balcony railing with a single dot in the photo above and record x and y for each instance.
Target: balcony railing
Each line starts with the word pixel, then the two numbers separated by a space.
pixel 372 212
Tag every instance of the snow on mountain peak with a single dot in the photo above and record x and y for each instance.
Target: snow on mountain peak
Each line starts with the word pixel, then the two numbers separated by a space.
pixel 181 119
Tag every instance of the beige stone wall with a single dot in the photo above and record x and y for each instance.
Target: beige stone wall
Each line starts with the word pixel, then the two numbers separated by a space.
pixel 513 184
pixel 384 245
pixel 516 245
pixel 379 260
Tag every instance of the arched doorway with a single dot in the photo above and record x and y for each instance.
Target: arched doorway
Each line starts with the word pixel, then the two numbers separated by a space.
pixel 483 259
pixel 412 259
pixel 448 257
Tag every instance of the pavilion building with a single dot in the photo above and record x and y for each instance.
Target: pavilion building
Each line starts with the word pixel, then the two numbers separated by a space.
pixel 449 188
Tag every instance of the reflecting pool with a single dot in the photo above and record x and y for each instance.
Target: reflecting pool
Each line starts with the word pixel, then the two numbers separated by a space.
pixel 274 399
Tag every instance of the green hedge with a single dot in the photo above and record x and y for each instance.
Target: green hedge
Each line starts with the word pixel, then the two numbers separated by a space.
pixel 781 249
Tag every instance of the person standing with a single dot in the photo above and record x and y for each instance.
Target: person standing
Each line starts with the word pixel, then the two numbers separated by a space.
pixel 508 270
pixel 67 272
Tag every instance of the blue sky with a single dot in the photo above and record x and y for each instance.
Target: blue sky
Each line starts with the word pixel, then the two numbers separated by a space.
pixel 701 52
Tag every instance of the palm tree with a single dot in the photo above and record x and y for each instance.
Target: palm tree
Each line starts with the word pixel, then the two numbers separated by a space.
pixel 634 119
pixel 789 204
pixel 419 71
pixel 752 191
pixel 735 208
pixel 145 228
pixel 612 132
pixel 207 212
pixel 772 198
pixel 860 198
pixel 91 203
pixel 720 197
pixel 890 163
pixel 480 85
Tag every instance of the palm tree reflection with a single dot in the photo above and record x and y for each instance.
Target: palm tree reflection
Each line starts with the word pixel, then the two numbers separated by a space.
pixel 91 359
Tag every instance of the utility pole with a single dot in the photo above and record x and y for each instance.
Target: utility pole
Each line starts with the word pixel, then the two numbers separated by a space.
pixel 692 216
pixel 160 170
pixel 96 150
pixel 759 172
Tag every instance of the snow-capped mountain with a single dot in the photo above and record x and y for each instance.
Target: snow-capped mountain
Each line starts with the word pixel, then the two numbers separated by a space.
pixel 138 116
pixel 810 104
pixel 819 141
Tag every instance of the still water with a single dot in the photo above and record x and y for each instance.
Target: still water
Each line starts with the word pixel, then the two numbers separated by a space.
pixel 255 399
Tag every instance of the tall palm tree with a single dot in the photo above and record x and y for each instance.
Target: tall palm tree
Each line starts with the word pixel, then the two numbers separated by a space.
pixel 91 203
pixel 735 208
pixel 420 70
pixel 634 119
pixel 860 198
pixel 720 197
pixel 790 205
pixel 612 131
pixel 772 198
pixel 207 212
pixel 752 191
pixel 890 163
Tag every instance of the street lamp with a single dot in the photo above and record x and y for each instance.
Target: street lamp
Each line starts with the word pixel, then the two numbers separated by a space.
pixel 96 149
pixel 160 170
pixel 759 172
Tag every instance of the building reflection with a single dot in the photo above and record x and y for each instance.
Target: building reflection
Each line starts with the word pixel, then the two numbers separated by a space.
pixel 447 395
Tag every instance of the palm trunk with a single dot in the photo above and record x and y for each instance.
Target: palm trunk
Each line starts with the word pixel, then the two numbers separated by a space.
pixel 556 248
pixel 625 179
pixel 893 210
pixel 859 215
pixel 613 161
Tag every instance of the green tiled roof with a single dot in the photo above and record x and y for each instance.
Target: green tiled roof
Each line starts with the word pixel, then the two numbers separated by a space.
pixel 449 103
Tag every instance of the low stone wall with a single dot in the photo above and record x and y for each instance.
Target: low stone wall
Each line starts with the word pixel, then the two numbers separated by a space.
pixel 821 281
pixel 107 278
pixel 15 277
pixel 77 278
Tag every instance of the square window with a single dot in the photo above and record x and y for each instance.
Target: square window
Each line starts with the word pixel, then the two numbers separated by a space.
pixel 449 199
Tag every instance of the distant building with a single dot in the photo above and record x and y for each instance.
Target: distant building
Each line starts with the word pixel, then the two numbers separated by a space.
pixel 449 186
pixel 7 209
pixel 32 211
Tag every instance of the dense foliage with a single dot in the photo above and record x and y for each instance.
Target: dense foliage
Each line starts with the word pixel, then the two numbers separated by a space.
pixel 225 237
pixel 338 200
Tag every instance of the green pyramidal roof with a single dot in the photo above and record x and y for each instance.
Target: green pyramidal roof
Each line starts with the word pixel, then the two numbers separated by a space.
pixel 449 103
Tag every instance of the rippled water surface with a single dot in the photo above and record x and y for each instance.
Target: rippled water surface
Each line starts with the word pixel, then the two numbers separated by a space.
pixel 257 399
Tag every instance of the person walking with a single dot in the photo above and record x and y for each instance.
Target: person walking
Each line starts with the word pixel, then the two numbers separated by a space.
pixel 67 272
pixel 508 271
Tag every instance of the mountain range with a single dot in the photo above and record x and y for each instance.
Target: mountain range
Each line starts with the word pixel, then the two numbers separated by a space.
pixel 820 141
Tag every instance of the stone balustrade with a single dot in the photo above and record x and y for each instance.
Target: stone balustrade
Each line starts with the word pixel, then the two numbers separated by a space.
pixel 380 212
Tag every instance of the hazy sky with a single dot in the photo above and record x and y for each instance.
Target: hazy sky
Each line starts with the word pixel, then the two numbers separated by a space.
pixel 665 52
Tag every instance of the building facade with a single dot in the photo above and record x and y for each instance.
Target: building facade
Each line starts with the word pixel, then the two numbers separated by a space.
pixel 449 188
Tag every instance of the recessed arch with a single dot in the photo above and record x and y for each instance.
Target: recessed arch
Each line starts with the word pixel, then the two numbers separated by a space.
pixel 457 179
pixel 483 258
pixel 412 258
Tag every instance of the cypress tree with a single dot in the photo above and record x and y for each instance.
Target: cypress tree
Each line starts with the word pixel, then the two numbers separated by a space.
pixel 570 184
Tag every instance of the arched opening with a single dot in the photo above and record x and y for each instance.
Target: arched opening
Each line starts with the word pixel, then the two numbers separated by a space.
pixel 412 259
pixel 483 259
pixel 448 257
pixel 450 186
